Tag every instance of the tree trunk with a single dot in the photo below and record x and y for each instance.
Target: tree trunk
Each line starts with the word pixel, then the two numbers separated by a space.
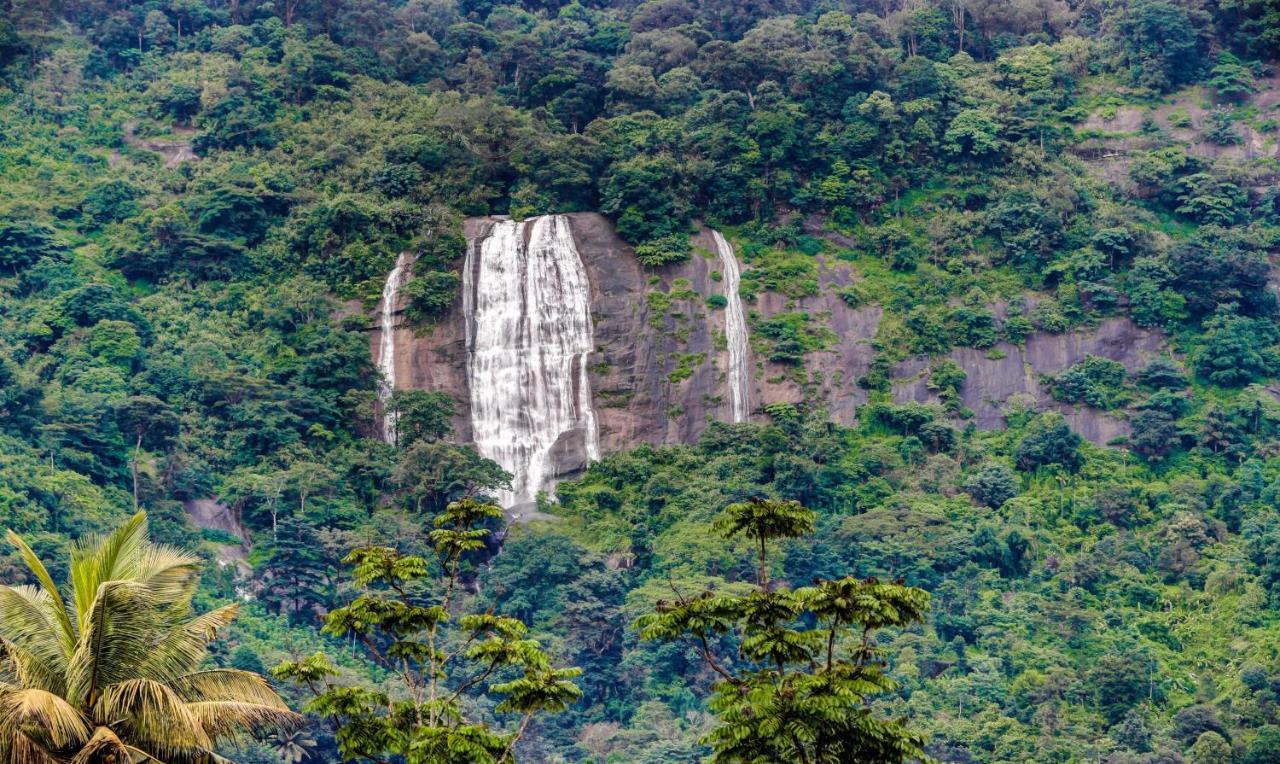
pixel 136 449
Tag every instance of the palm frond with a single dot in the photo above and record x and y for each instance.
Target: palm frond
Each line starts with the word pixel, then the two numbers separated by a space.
pixel 170 574
pixel 224 718
pixel 104 745
pixel 185 644
pixel 57 721
pixel 66 631
pixel 30 671
pixel 17 748
pixel 227 684
pixel 96 560
pixel 155 716
pixel 115 677
pixel 116 636
pixel 29 620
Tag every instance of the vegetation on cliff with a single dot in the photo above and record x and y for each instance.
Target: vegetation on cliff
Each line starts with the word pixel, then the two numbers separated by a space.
pixel 192 187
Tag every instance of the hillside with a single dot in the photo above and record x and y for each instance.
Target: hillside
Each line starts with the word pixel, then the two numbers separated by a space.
pixel 1008 302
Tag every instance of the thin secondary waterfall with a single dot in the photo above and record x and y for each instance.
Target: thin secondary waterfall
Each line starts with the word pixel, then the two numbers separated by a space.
pixel 735 330
pixel 387 345
pixel 528 309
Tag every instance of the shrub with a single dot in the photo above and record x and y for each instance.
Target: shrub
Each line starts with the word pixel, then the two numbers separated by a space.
pixel 1154 434
pixel 663 250
pixel 1049 441
pixel 971 327
pixel 992 485
pixel 1237 350
pixel 1095 381
pixel 1221 129
pixel 1162 374
pixel 430 294
pixel 1047 316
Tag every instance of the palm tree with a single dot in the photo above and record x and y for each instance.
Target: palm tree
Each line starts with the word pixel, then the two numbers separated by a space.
pixel 111 673
pixel 292 746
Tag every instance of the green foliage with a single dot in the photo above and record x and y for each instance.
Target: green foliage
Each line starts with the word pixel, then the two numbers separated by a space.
pixel 791 336
pixel 430 294
pixel 663 250
pixel 791 694
pixel 992 485
pixel 421 415
pixel 1237 350
pixel 189 187
pixel 1220 128
pixel 111 665
pixel 1159 42
pixel 1049 442
pixel 23 243
pixel 1098 382
pixel 972 133
pixel 434 662
pixel 1231 78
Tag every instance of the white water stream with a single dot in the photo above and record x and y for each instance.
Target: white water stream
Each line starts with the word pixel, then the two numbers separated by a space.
pixel 528 310
pixel 735 330
pixel 387 345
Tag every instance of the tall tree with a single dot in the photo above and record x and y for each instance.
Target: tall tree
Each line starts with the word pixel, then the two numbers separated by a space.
pixel 149 420
pixel 794 692
pixel 435 664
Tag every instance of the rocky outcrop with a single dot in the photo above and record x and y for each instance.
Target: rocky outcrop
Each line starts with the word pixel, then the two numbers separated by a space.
pixel 432 357
pixel 213 515
pixel 658 373
pixel 998 374
pixel 829 375
pixel 175 150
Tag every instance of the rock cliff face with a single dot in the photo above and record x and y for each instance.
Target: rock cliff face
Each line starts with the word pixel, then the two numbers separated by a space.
pixel 1007 370
pixel 658 373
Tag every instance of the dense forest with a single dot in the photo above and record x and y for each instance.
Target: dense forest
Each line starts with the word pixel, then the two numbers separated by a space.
pixel 201 200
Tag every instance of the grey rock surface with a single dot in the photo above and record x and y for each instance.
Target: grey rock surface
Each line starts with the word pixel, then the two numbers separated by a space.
pixel 637 400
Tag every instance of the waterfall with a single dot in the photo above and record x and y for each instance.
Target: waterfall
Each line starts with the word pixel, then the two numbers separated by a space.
pixel 387 345
pixel 528 309
pixel 735 330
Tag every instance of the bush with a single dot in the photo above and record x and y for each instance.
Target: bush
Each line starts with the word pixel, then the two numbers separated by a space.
pixel 992 485
pixel 110 201
pixel 1265 748
pixel 969 327
pixel 1221 129
pixel 663 251
pixel 1154 434
pixel 1237 350
pixel 1192 722
pixel 1162 374
pixel 430 294
pixel 1047 316
pixel 1095 381
pixel 22 243
pixel 1049 441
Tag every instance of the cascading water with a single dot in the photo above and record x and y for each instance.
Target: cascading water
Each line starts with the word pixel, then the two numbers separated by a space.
pixel 528 310
pixel 387 345
pixel 735 330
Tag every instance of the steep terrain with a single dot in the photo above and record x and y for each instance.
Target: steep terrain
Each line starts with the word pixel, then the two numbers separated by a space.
pixel 968 233
pixel 659 372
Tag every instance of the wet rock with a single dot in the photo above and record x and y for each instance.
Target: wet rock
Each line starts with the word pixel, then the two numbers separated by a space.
pixel 639 400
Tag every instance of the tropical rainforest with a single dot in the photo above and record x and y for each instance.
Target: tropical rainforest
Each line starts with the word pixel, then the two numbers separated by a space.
pixel 200 201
